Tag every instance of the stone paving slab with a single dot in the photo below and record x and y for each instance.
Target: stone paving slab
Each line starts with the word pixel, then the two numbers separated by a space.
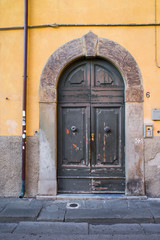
pixel 154 207
pixel 34 228
pixel 119 229
pixel 151 228
pixel 136 215
pixel 7 227
pixel 52 213
pixel 52 228
pixel 137 204
pixel 60 204
pixel 94 204
pixel 78 231
pixel 115 204
pixel 14 212
pixel 2 206
pixel 109 215
pixel 16 200
pixel 123 204
pixel 77 237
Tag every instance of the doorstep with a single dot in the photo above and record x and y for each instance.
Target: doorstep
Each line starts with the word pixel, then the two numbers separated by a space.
pixel 90 197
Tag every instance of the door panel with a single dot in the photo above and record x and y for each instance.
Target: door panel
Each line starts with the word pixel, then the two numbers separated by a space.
pixel 73 129
pixel 107 168
pixel 105 75
pixel 108 185
pixel 73 148
pixel 91 129
pixel 73 144
pixel 106 125
pixel 107 85
pixel 75 85
pixel 74 185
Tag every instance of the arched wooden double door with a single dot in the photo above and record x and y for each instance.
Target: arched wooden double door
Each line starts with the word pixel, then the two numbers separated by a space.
pixel 91 128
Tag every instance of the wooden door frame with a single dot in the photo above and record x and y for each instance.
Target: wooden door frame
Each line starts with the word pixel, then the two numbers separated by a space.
pixel 90 45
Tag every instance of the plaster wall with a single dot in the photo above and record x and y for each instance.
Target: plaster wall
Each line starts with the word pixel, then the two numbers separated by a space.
pixel 139 41
pixel 42 42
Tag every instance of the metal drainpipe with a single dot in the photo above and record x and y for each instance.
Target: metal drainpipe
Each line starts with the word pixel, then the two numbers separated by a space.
pixel 24 98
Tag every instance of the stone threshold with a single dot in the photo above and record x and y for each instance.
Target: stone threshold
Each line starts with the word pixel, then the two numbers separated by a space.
pixel 90 197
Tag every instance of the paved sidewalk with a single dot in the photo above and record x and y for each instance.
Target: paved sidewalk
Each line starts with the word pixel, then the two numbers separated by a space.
pixel 91 211
pixel 78 231
pixel 35 228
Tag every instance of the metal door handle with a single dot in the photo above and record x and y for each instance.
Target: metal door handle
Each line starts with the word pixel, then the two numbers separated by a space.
pixel 92 135
pixel 107 129
pixel 73 128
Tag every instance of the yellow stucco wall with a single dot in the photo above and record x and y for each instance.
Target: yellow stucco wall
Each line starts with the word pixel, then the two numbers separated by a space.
pixel 139 41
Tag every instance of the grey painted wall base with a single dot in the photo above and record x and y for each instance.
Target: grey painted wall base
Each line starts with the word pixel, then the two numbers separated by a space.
pixel 47 187
pixel 10 166
pixel 134 149
pixel 47 183
pixel 152 166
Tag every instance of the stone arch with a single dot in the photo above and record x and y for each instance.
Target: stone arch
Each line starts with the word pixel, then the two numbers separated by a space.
pixel 90 45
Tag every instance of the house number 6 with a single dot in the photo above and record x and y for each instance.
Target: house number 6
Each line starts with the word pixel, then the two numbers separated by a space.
pixel 148 94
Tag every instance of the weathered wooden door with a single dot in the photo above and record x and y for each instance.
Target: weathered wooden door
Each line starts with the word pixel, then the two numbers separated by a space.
pixel 91 129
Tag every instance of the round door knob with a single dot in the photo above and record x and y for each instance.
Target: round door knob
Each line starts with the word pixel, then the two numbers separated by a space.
pixel 73 129
pixel 107 129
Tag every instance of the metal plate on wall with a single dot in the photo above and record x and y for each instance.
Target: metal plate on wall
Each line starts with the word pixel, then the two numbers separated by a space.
pixel 155 114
